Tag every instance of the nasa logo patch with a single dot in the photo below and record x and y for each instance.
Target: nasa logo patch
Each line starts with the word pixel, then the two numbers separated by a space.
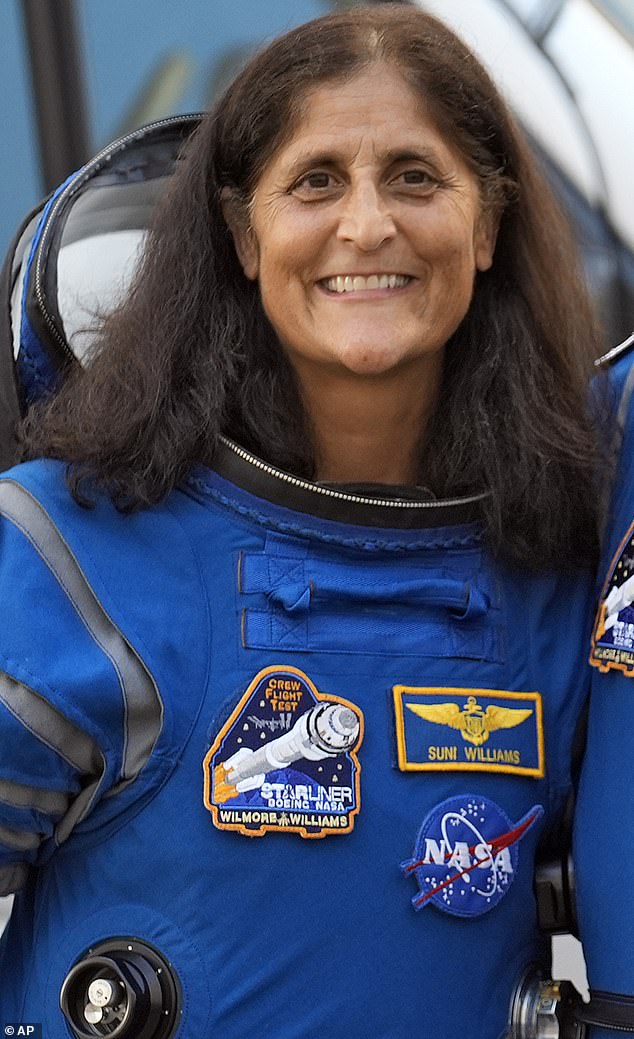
pixel 466 855
pixel 285 760
pixel 613 633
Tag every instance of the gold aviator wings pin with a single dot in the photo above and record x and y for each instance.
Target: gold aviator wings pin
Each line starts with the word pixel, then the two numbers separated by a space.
pixel 474 723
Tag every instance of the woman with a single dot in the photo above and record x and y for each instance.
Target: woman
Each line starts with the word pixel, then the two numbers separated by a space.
pixel 338 453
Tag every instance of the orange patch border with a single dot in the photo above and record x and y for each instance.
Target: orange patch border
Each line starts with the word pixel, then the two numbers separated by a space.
pixel 272 828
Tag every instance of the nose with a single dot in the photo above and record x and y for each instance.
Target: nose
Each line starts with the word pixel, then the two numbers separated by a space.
pixel 366 218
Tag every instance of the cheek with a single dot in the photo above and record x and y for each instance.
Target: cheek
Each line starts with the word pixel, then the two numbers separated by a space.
pixel 449 234
pixel 454 271
pixel 453 256
pixel 294 243
pixel 281 295
pixel 287 271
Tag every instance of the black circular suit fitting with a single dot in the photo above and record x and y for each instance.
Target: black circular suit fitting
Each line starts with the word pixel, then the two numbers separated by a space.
pixel 121 988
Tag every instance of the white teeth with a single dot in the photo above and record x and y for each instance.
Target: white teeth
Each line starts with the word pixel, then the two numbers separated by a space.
pixel 346 283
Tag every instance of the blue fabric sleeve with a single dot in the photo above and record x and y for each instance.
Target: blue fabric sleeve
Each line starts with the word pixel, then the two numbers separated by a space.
pixel 604 826
pixel 61 710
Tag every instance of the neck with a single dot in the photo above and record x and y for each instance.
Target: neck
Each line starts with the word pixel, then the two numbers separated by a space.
pixel 370 429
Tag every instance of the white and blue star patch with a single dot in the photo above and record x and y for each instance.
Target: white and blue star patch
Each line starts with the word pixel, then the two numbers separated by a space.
pixel 466 855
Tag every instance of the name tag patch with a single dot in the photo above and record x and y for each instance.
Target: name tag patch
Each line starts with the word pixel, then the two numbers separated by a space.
pixel 286 760
pixel 468 730
pixel 613 634
pixel 466 855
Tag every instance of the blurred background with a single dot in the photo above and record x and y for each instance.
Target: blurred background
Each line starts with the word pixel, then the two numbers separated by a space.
pixel 75 74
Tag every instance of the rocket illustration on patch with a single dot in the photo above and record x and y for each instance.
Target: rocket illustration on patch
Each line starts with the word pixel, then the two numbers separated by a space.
pixel 285 760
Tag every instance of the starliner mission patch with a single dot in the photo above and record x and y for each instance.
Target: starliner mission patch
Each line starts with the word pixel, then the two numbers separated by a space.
pixel 285 760
pixel 613 633
pixel 468 730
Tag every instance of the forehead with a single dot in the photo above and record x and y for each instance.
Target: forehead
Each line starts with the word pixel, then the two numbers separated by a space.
pixel 377 110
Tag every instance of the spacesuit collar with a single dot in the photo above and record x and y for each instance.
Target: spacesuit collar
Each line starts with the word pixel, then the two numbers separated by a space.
pixel 407 508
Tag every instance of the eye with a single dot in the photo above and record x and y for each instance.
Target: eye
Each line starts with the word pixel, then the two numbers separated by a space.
pixel 315 184
pixel 418 180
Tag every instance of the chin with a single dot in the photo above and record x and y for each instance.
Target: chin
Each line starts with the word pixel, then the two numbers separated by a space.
pixel 365 360
pixel 371 366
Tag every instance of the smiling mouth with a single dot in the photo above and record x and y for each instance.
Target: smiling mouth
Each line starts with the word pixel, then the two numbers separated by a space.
pixel 358 283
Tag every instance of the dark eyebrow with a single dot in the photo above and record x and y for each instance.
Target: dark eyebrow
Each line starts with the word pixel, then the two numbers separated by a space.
pixel 308 159
pixel 412 155
pixel 334 156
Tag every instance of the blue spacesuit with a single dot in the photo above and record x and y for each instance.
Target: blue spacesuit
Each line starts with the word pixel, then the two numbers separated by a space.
pixel 603 829
pixel 297 744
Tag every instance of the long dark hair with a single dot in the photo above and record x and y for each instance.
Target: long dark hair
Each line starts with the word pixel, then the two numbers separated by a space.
pixel 190 353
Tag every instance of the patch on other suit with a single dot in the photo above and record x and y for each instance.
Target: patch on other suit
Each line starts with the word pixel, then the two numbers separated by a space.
pixel 613 633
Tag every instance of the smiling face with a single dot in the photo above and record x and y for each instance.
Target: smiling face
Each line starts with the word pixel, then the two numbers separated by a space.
pixel 366 232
